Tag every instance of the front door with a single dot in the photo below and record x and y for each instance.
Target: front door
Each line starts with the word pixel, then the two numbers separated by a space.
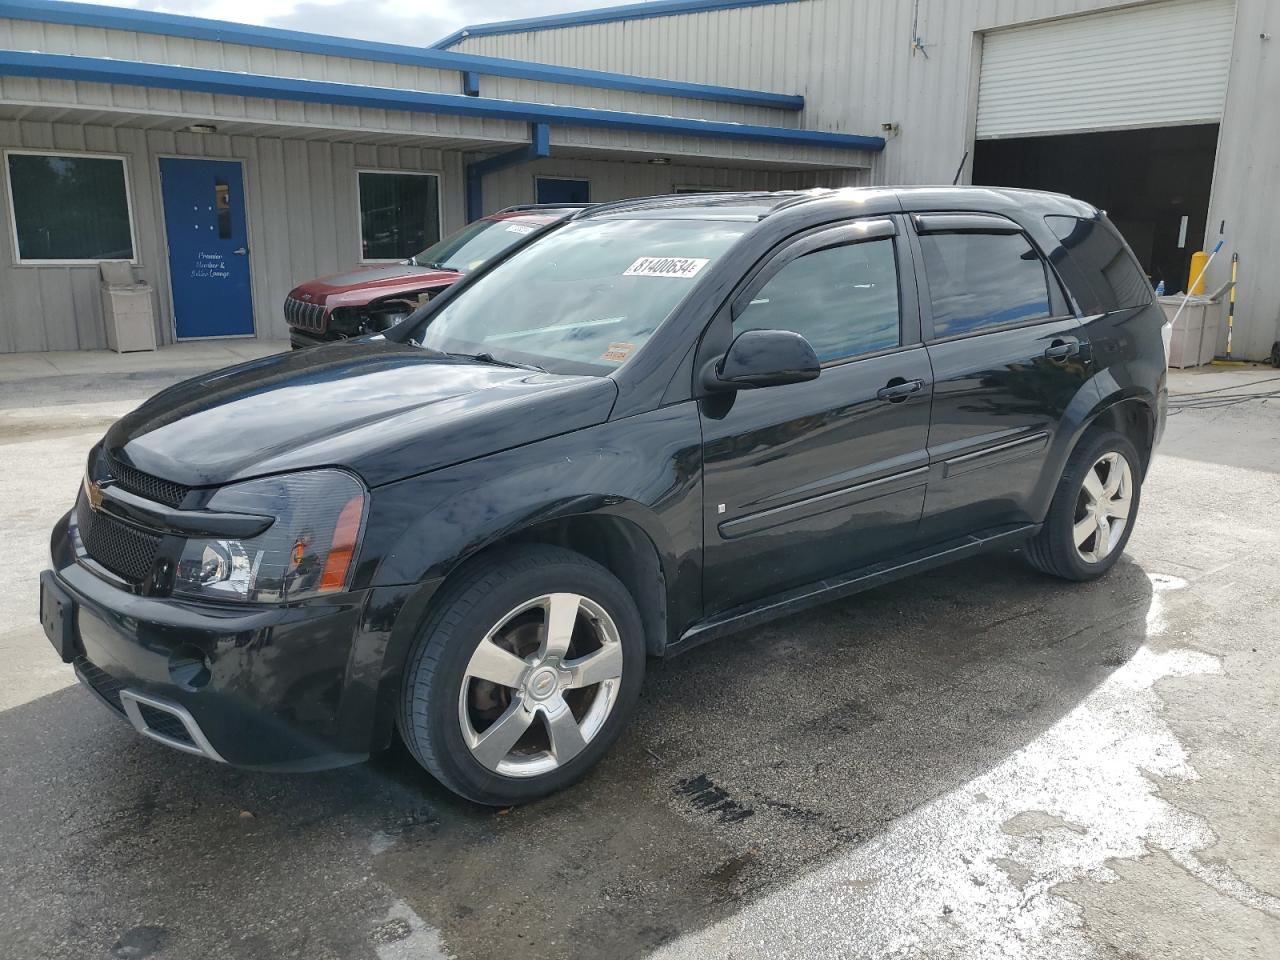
pixel 809 480
pixel 208 247
pixel 559 190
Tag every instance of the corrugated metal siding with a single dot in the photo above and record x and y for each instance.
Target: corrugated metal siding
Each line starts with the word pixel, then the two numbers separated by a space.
pixel 617 180
pixel 127 45
pixel 1246 181
pixel 301 208
pixel 1158 65
pixel 852 61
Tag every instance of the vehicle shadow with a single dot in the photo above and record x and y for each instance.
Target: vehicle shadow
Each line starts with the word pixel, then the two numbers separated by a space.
pixel 752 761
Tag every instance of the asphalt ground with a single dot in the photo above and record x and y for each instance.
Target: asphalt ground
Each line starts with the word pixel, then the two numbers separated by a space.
pixel 977 762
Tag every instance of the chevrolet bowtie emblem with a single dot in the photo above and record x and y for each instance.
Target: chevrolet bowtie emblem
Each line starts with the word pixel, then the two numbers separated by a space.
pixel 93 493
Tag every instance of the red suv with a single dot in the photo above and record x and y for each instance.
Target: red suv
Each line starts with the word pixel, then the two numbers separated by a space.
pixel 375 297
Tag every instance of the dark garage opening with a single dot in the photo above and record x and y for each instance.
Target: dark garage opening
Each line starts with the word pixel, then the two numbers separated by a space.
pixel 1146 180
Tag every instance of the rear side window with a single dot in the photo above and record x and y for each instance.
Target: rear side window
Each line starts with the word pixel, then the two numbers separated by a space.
pixel 843 300
pixel 1101 273
pixel 981 280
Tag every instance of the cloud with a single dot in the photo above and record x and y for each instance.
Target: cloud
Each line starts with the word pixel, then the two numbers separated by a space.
pixel 391 21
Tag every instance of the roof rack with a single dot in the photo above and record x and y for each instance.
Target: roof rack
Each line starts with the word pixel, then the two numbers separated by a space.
pixel 782 198
pixel 522 207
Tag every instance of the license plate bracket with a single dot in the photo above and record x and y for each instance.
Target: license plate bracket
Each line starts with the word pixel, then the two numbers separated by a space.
pixel 58 616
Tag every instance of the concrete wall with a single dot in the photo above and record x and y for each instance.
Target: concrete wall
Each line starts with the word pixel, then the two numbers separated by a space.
pixel 301 211
pixel 853 62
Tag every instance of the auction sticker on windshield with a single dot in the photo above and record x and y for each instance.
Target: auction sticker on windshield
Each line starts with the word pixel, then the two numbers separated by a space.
pixel 521 228
pixel 683 267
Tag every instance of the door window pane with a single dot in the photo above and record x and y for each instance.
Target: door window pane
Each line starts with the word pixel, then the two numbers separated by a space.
pixel 843 300
pixel 1101 273
pixel 399 214
pixel 68 207
pixel 980 280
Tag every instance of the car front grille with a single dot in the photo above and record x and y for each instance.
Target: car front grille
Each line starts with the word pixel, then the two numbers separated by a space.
pixel 123 549
pixel 106 686
pixel 303 315
pixel 145 485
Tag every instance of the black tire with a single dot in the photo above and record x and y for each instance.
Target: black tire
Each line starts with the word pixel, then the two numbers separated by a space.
pixel 468 608
pixel 1053 550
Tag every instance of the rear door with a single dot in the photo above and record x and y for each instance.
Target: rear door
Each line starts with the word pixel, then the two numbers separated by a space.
pixel 809 480
pixel 1008 358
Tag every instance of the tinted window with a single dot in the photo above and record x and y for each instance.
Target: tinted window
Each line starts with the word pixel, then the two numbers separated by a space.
pixel 1101 273
pixel 69 207
pixel 399 214
pixel 843 300
pixel 979 280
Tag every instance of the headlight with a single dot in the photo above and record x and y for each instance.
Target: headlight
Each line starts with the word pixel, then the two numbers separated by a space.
pixel 309 548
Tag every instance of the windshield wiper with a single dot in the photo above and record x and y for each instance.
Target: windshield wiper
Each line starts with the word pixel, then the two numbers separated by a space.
pixel 489 358
pixel 433 265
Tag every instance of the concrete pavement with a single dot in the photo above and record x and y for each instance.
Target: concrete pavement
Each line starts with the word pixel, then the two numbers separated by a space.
pixel 979 762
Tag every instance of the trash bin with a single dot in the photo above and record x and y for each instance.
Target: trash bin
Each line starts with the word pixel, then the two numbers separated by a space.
pixel 1195 333
pixel 128 307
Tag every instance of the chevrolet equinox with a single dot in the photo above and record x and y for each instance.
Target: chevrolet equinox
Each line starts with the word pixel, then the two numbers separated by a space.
pixel 657 422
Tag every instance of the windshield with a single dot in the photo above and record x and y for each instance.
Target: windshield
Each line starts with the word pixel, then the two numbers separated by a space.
pixel 474 245
pixel 584 298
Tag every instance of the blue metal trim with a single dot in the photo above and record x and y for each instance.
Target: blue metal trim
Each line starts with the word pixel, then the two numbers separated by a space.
pixel 161 76
pixel 539 146
pixel 630 11
pixel 196 28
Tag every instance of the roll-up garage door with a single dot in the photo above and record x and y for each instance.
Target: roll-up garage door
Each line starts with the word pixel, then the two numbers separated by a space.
pixel 1159 64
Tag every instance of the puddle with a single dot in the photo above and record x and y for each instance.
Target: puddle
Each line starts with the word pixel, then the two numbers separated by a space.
pixel 972 874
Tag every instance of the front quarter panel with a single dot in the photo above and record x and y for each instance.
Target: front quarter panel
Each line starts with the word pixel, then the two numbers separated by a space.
pixel 645 469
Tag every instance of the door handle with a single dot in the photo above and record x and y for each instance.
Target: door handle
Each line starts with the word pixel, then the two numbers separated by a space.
pixel 240 251
pixel 898 389
pixel 1062 348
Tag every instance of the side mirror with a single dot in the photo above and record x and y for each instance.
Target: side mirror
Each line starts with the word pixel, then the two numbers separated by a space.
pixel 763 358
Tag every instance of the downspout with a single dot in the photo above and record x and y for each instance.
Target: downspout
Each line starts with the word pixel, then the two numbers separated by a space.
pixel 539 146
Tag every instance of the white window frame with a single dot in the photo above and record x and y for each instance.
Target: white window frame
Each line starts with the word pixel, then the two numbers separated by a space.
pixel 361 258
pixel 76 154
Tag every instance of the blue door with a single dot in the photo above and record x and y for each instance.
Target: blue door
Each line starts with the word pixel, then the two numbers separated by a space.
pixel 555 190
pixel 208 247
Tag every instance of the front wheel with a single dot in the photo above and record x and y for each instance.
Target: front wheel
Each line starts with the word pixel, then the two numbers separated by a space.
pixel 1093 510
pixel 524 674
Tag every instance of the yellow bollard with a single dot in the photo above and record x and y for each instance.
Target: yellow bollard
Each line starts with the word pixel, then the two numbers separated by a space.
pixel 1195 279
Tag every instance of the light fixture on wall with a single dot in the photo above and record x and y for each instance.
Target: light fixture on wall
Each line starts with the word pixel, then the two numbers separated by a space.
pixel 661 161
pixel 201 128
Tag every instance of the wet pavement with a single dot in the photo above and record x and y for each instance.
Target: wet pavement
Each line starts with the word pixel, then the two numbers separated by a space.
pixel 979 762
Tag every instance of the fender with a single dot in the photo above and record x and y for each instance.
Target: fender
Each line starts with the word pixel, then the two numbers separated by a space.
pixel 644 469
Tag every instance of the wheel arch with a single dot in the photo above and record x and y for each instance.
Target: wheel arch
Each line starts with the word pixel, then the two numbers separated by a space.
pixel 1131 415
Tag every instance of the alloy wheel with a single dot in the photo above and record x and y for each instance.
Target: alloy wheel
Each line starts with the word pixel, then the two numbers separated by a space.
pixel 540 685
pixel 1102 507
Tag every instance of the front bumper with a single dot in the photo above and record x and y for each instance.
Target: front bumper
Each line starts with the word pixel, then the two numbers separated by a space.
pixel 292 687
pixel 304 338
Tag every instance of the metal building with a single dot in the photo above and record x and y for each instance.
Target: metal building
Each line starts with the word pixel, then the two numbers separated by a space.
pixel 228 163
pixel 311 154
pixel 1163 112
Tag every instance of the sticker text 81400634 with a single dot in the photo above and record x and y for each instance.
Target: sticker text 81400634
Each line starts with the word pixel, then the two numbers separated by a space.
pixel 681 267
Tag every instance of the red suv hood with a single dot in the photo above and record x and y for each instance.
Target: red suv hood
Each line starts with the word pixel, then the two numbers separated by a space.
pixel 373 282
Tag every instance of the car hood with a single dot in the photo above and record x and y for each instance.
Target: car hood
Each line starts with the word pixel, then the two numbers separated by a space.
pixel 383 409
pixel 362 284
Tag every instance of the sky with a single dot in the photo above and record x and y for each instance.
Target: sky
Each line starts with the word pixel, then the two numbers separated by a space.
pixel 392 21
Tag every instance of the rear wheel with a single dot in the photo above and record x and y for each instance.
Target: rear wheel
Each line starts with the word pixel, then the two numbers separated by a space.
pixel 523 676
pixel 1093 510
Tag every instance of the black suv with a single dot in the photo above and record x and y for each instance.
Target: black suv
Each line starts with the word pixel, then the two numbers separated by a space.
pixel 658 422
